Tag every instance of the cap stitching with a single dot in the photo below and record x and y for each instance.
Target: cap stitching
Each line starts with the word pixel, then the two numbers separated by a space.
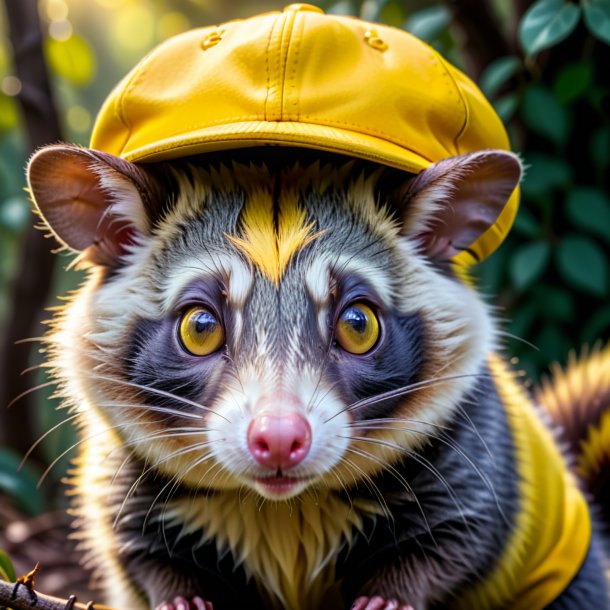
pixel 304 119
pixel 460 97
pixel 293 74
pixel 284 49
pixel 298 118
pixel 323 145
pixel 267 68
pixel 273 103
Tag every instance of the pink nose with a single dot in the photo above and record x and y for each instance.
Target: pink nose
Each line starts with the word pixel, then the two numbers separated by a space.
pixel 279 441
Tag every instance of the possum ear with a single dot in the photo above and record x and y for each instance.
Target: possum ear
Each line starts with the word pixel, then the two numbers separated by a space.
pixel 93 202
pixel 449 205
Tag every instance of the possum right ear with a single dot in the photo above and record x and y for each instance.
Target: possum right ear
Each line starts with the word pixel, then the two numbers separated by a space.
pixel 93 202
pixel 449 205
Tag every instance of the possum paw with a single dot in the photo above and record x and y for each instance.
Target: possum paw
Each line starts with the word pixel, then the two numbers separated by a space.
pixel 182 603
pixel 378 603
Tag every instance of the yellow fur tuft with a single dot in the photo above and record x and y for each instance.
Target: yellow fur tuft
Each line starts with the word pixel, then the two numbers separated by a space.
pixel 288 547
pixel 595 448
pixel 267 246
pixel 578 399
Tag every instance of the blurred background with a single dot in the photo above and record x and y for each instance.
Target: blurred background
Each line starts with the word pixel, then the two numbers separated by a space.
pixel 544 66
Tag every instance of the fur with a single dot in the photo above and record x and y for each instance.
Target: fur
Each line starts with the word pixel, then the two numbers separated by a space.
pixel 412 486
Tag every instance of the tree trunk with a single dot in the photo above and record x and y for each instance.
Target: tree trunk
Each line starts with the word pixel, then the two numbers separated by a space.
pixel 35 262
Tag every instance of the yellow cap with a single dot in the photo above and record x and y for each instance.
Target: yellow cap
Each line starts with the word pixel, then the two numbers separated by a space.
pixel 303 78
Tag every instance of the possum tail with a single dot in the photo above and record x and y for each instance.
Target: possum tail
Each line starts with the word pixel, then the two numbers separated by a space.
pixel 578 400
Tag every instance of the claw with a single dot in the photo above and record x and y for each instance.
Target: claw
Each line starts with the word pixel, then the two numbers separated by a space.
pixel 183 603
pixel 379 603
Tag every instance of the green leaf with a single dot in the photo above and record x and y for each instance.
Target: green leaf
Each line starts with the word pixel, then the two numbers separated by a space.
pixel 497 73
pixel 546 23
pixel 573 80
pixel 600 147
pixel 597 18
pixel 544 174
pixel 583 265
pixel 72 59
pixel 553 343
pixel 554 303
pixel 428 23
pixel 7 571
pixel 526 224
pixel 598 325
pixel 544 115
pixel 589 208
pixel 506 106
pixel 528 263
pixel 21 485
pixel 522 321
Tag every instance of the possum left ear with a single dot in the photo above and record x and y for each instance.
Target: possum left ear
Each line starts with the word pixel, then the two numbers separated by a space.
pixel 93 202
pixel 449 205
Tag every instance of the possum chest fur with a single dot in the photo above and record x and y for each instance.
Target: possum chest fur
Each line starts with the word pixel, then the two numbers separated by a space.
pixel 287 398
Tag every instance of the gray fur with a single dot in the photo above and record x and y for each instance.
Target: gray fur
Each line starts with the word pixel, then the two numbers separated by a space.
pixel 434 520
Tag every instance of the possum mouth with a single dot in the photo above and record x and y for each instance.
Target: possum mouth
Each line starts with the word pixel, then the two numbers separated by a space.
pixel 280 486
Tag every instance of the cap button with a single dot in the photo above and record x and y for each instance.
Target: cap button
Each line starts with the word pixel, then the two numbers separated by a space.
pixel 303 8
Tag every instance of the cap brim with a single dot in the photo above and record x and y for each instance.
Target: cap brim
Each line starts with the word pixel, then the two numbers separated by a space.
pixel 318 137
pixel 280 133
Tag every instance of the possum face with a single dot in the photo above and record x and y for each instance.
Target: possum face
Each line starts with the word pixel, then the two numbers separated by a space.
pixel 278 330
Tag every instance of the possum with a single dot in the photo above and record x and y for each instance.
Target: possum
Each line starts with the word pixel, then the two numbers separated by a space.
pixel 288 397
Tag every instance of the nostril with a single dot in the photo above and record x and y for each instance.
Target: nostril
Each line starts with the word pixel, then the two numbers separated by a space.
pixel 261 446
pixel 279 441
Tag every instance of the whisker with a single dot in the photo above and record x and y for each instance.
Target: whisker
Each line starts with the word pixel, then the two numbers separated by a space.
pixel 177 453
pixel 147 407
pixel 159 392
pixel 40 439
pixel 443 438
pixel 403 391
pixel 40 386
pixel 423 462
pixel 369 482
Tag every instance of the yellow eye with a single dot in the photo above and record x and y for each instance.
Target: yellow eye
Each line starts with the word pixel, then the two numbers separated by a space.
pixel 357 329
pixel 200 331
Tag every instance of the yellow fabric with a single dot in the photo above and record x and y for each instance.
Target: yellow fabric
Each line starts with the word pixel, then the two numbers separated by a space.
pixel 553 529
pixel 303 78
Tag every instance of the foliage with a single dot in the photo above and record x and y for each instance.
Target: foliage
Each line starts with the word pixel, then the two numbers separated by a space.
pixel 551 86
pixel 7 571
pixel 21 484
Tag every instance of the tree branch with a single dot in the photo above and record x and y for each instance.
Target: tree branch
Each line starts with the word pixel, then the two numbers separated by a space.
pixel 23 600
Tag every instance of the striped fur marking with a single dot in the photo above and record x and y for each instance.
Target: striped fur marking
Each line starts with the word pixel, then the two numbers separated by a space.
pixel 270 236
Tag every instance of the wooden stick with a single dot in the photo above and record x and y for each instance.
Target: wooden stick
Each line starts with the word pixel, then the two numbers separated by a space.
pixel 24 599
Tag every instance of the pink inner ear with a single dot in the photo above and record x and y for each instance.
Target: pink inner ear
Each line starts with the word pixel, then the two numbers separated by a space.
pixel 69 199
pixel 460 198
pixel 86 202
pixel 113 237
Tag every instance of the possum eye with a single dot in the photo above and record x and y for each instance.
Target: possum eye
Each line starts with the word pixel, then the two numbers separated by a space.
pixel 200 331
pixel 357 329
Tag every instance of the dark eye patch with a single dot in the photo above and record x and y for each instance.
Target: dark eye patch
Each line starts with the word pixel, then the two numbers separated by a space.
pixel 167 373
pixel 158 363
pixel 395 363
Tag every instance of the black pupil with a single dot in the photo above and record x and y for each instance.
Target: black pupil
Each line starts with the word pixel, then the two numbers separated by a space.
pixel 356 318
pixel 205 322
